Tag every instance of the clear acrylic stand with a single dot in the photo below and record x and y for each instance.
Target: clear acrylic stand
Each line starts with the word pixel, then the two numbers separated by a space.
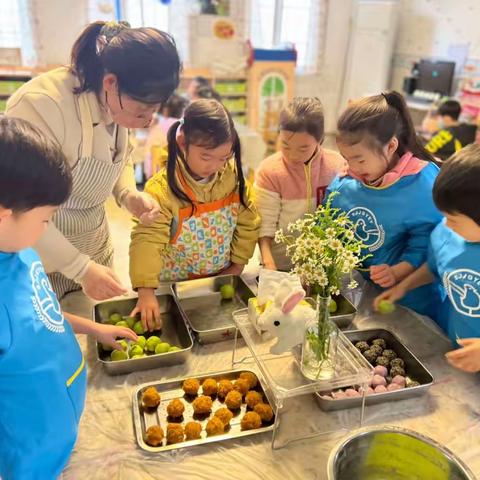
pixel 285 383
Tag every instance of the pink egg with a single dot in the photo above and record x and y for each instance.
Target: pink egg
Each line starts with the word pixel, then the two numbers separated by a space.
pixel 350 392
pixel 378 380
pixel 394 386
pixel 380 389
pixel 339 395
pixel 380 370
pixel 399 380
pixel 326 397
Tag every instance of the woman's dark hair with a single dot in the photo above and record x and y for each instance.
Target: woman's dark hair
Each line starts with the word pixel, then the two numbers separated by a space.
pixel 175 106
pixel 144 60
pixel 377 119
pixel 33 170
pixel 206 123
pixel 450 108
pixel 457 187
pixel 304 114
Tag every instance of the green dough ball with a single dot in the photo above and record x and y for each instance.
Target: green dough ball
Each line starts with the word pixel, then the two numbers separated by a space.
pixel 138 356
pixel 124 344
pixel 138 328
pixel 115 317
pixel 106 348
pixel 117 355
pixel 386 307
pixel 136 350
pixel 174 349
pixel 152 342
pixel 130 321
pixel 122 323
pixel 332 307
pixel 227 292
pixel 162 347
pixel 141 341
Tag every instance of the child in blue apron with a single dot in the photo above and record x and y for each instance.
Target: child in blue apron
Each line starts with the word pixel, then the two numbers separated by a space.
pixel 454 257
pixel 42 370
pixel 208 224
pixel 387 192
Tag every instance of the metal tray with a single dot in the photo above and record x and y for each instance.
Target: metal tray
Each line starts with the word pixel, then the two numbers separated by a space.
pixel 174 331
pixel 172 389
pixel 414 368
pixel 209 316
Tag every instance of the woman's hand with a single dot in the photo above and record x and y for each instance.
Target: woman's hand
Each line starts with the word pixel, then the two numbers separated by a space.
pixel 101 283
pixel 142 206
pixel 149 309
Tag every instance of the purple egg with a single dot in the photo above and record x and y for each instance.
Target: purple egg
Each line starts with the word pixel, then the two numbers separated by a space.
pixel 378 380
pixel 380 370
pixel 380 389
pixel 399 380
pixel 394 386
pixel 350 392
pixel 339 395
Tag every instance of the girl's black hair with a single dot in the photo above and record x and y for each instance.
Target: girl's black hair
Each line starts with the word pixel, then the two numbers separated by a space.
pixel 144 60
pixel 304 114
pixel 206 123
pixel 33 170
pixel 379 118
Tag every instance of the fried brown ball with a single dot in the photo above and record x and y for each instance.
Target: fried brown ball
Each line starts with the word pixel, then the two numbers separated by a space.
pixel 209 387
pixel 193 430
pixel 241 386
pixel 215 426
pixel 251 378
pixel 191 386
pixel 154 436
pixel 224 414
pixel 224 387
pixel 265 411
pixel 233 400
pixel 174 433
pixel 175 408
pixel 202 404
pixel 151 398
pixel 251 420
pixel 252 398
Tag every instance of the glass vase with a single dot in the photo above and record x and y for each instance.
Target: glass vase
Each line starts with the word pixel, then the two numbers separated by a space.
pixel 319 349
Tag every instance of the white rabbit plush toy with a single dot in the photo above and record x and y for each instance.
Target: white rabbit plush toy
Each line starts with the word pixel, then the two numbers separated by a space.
pixel 285 319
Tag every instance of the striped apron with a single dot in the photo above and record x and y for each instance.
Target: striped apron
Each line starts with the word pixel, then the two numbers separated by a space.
pixel 82 218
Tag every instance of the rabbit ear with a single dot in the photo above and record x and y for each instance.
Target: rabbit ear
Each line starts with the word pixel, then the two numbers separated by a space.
pixel 292 301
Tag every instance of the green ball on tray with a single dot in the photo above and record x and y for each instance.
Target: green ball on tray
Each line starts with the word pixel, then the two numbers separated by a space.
pixel 114 318
pixel 152 342
pixel 174 349
pixel 122 323
pixel 130 321
pixel 117 355
pixel 227 292
pixel 332 307
pixel 124 344
pixel 135 350
pixel 386 307
pixel 162 347
pixel 141 341
pixel 138 328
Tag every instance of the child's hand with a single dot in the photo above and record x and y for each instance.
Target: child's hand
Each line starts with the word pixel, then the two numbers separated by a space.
pixel 383 275
pixel 466 358
pixel 149 309
pixel 107 334
pixel 392 295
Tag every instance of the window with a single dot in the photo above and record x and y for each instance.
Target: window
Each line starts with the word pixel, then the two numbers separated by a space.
pixel 276 22
pixel 10 25
pixel 146 13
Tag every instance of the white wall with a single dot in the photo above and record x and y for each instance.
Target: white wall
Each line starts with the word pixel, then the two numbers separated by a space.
pixel 429 28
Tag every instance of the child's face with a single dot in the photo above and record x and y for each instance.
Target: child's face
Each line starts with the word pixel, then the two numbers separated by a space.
pixel 22 230
pixel 463 226
pixel 204 162
pixel 367 163
pixel 297 147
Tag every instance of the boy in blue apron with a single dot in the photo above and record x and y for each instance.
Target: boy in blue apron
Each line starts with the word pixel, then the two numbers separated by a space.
pixel 454 257
pixel 42 369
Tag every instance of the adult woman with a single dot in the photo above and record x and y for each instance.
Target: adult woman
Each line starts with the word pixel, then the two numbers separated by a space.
pixel 117 80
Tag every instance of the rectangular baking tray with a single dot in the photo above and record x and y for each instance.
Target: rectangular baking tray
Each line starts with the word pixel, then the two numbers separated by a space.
pixel 174 331
pixel 210 317
pixel 413 367
pixel 172 389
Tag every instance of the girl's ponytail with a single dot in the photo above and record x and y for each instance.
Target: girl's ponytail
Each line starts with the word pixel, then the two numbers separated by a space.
pixel 237 152
pixel 409 140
